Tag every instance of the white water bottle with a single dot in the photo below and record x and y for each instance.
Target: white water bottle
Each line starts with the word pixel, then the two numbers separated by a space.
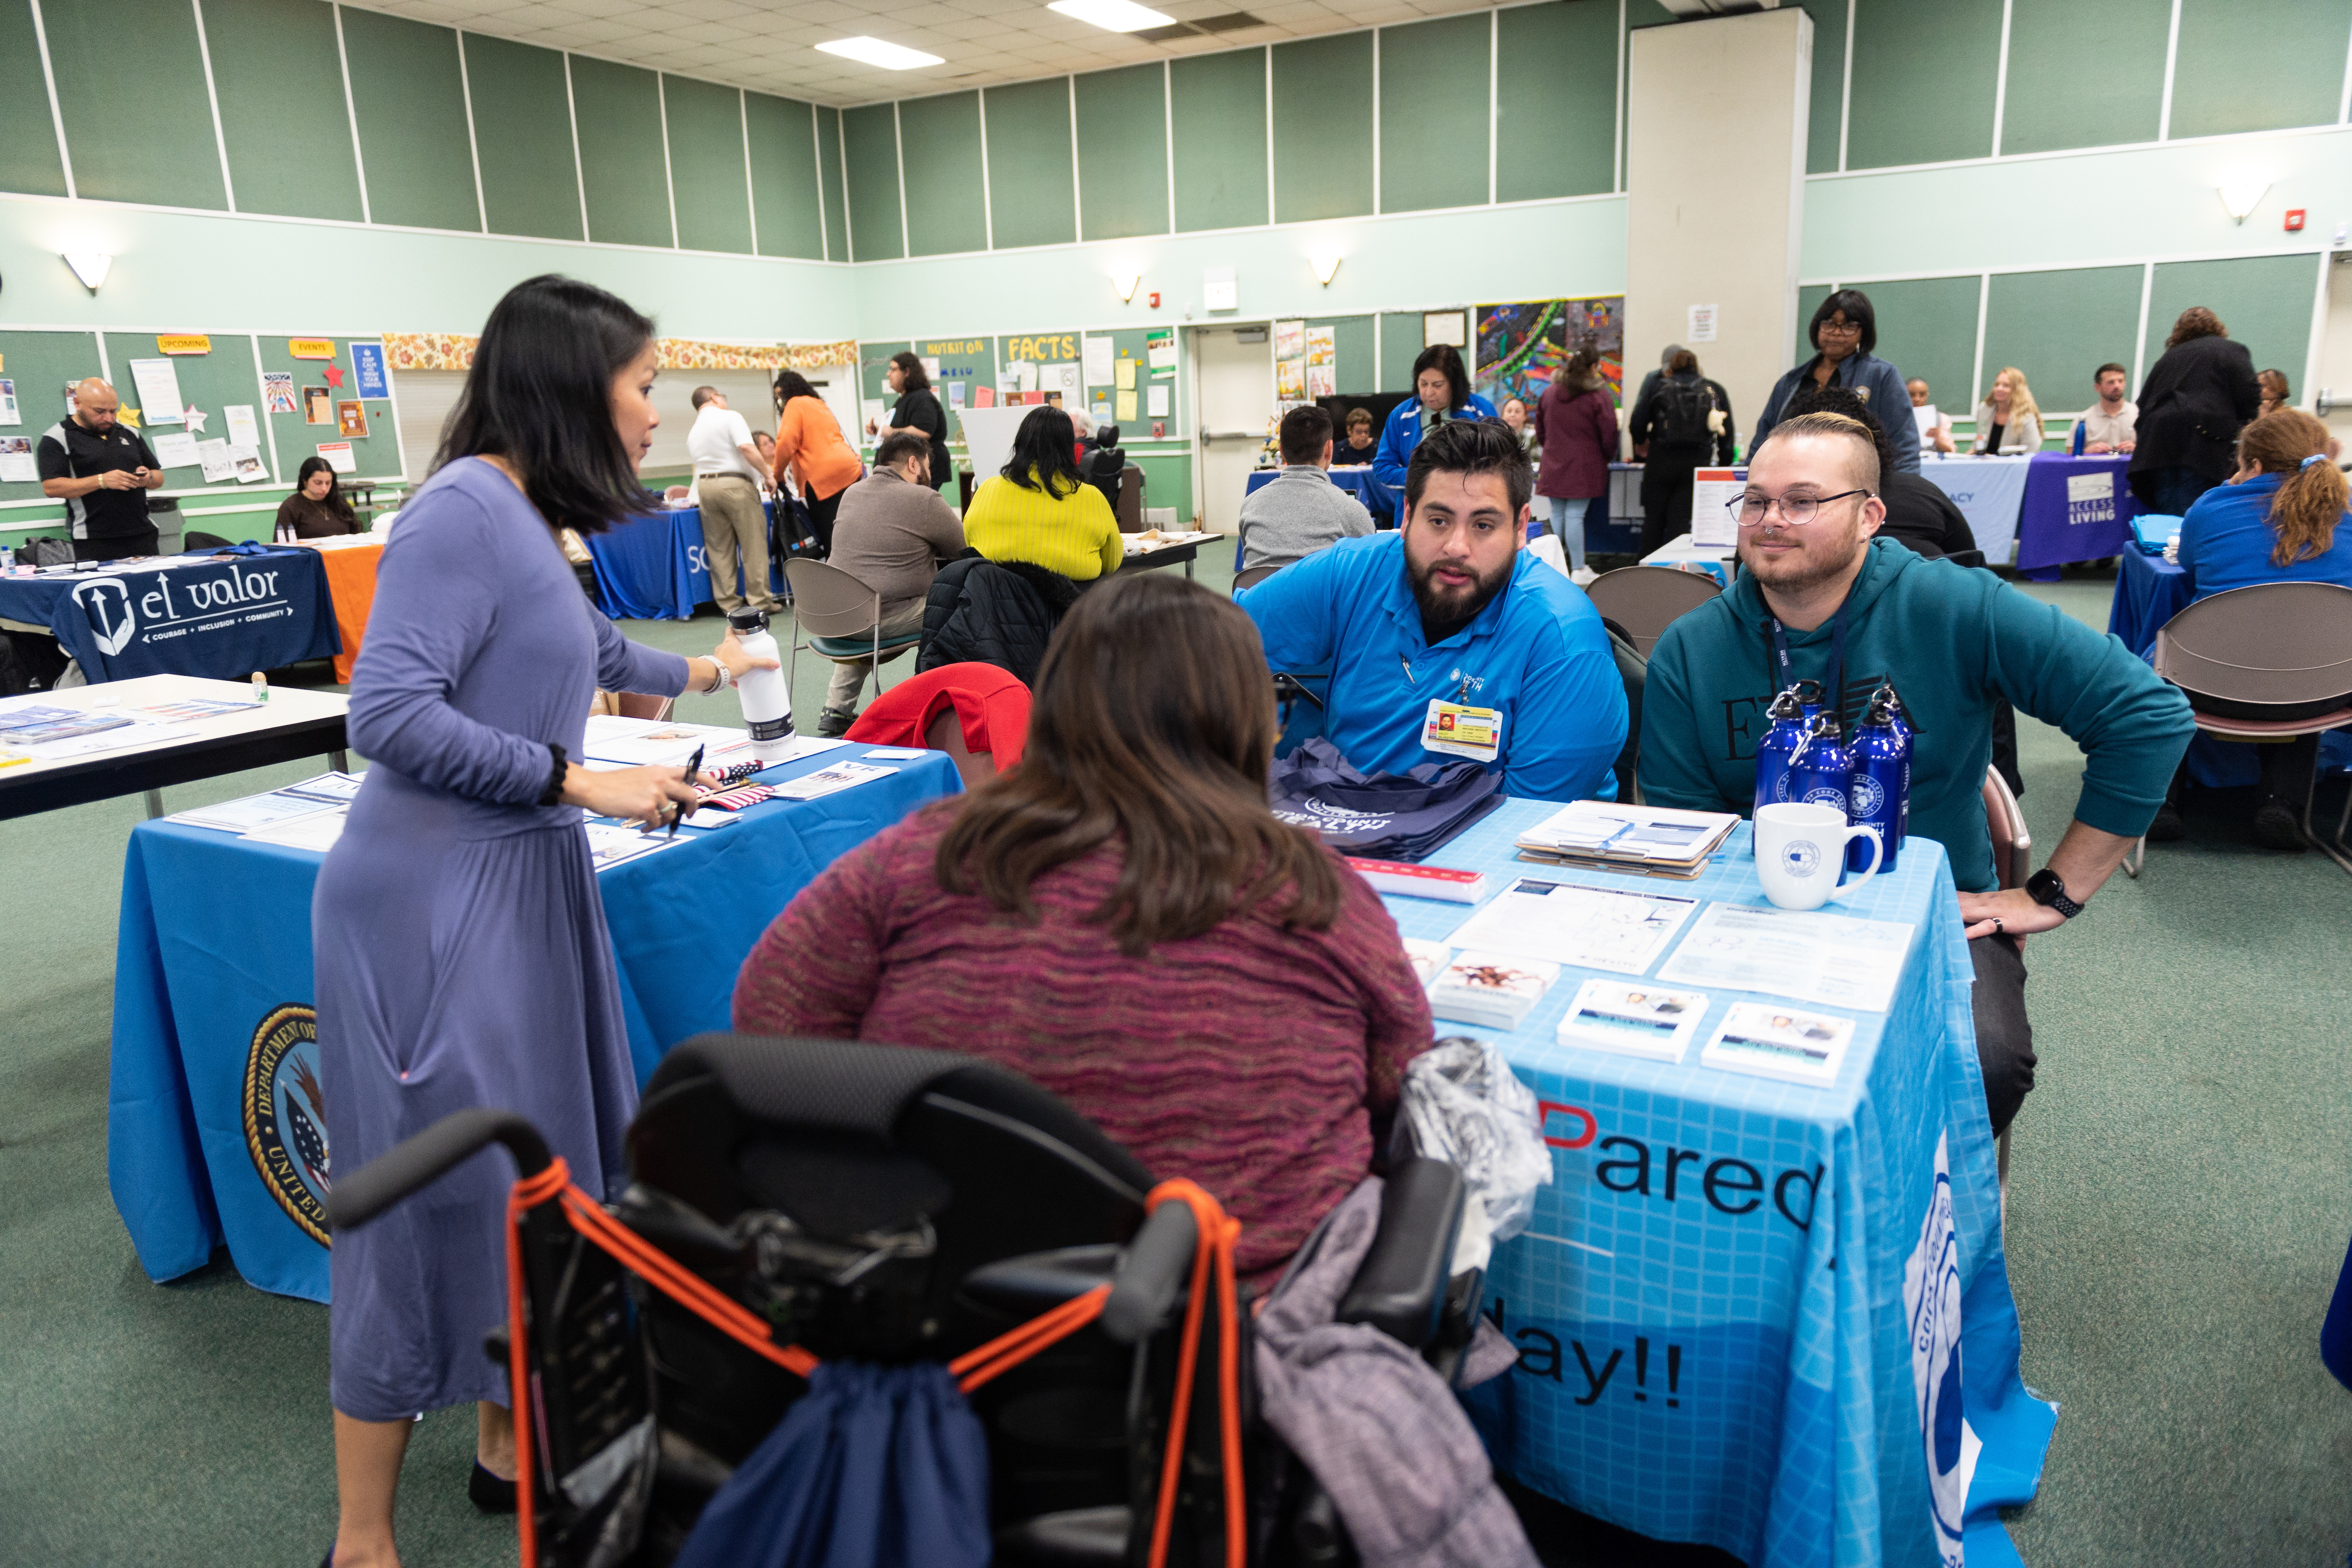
pixel 767 700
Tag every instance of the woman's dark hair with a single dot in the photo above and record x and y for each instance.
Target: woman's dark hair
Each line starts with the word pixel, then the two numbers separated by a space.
pixel 1685 362
pixel 1445 358
pixel 792 384
pixel 1166 758
pixel 539 394
pixel 2196 321
pixel 1044 454
pixel 911 372
pixel 339 507
pixel 2273 384
pixel 2312 498
pixel 1856 306
pixel 1583 372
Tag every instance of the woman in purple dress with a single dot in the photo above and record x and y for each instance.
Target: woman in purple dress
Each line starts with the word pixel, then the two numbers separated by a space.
pixel 462 958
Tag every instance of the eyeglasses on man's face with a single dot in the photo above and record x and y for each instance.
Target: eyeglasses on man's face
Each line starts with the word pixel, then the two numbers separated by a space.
pixel 1750 509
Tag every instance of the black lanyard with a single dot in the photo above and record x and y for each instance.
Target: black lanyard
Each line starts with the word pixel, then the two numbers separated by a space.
pixel 1834 689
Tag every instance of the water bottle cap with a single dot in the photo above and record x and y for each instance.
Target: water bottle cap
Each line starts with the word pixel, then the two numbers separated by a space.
pixel 1785 706
pixel 1826 723
pixel 748 620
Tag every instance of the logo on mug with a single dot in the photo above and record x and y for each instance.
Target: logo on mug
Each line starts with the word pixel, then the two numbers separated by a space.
pixel 1799 857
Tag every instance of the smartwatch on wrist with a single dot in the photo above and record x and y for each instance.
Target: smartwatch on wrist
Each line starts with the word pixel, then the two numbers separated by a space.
pixel 2046 886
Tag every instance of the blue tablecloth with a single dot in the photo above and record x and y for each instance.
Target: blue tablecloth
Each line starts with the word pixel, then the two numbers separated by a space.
pixel 2150 591
pixel 2074 509
pixel 652 568
pixel 1988 491
pixel 1376 497
pixel 221 619
pixel 1710 1304
pixel 212 980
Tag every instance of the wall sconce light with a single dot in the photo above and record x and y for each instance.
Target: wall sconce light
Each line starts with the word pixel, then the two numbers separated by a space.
pixel 89 266
pixel 1124 283
pixel 2242 190
pixel 1326 263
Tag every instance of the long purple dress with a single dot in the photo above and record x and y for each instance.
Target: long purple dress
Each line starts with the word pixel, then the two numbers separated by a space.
pixel 462 957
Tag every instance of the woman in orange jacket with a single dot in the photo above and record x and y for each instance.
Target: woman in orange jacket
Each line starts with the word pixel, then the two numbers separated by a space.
pixel 810 443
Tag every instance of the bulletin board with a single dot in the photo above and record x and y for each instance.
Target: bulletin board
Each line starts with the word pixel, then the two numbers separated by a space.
pixel 40 364
pixel 873 370
pixel 964 363
pixel 1043 348
pixel 1128 343
pixel 294 437
pixel 210 382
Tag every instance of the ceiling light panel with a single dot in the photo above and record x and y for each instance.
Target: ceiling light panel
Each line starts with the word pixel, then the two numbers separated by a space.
pixel 1112 15
pixel 876 52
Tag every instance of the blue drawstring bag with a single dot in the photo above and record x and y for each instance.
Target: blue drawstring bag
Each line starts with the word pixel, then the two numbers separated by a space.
pixel 876 1467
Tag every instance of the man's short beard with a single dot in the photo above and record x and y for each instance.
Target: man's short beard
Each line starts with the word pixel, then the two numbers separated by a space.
pixel 1819 570
pixel 1454 611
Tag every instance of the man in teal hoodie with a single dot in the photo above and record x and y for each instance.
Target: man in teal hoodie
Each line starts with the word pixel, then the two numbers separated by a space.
pixel 1952 642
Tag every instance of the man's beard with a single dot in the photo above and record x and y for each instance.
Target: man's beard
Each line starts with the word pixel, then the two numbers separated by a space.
pixel 1815 567
pixel 1445 611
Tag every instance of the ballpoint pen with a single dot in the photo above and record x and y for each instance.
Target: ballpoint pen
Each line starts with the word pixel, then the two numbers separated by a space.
pixel 692 768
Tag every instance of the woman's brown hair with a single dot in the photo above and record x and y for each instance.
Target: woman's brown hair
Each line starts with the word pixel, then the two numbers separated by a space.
pixel 2311 500
pixel 2196 321
pixel 1154 727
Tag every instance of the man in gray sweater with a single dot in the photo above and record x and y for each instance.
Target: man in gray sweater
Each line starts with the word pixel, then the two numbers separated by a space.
pixel 1300 510
pixel 891 533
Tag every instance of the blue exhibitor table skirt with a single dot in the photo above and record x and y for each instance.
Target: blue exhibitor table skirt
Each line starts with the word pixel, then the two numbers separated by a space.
pixel 220 618
pixel 1771 1319
pixel 213 999
pixel 652 568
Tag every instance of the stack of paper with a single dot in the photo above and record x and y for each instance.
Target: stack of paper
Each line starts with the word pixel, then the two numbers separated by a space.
pixel 1779 1042
pixel 1622 929
pixel 830 781
pixel 1636 1020
pixel 256 816
pixel 648 743
pixel 35 723
pixel 611 842
pixel 1490 989
pixel 1426 957
pixel 1647 839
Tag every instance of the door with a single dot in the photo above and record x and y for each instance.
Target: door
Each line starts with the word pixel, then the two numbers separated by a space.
pixel 1233 380
pixel 2331 397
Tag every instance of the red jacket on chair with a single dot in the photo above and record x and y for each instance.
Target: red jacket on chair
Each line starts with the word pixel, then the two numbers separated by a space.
pixel 991 704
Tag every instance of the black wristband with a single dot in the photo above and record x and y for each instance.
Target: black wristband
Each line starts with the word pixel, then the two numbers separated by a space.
pixel 554 793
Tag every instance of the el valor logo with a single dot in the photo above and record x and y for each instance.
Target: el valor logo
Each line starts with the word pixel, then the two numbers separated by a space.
pixel 106 606
pixel 114 621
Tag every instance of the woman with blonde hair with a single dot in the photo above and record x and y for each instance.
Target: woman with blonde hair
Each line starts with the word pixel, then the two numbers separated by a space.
pixel 2008 421
pixel 2280 519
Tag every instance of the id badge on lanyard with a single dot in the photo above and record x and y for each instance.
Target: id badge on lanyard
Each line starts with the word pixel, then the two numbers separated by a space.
pixel 1463 732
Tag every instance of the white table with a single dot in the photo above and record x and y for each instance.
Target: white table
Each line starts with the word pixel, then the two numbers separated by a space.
pixel 293 724
pixel 1721 562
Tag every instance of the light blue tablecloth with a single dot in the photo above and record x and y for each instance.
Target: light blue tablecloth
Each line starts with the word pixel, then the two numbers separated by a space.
pixel 212 963
pixel 1710 1305
pixel 1989 492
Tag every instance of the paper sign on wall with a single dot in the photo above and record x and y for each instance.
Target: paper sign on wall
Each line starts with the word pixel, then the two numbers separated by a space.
pixel 311 348
pixel 367 360
pixel 1159 348
pixel 1220 291
pixel 1099 361
pixel 1158 401
pixel 157 382
pixel 1701 329
pixel 1064 379
pixel 10 413
pixel 318 406
pixel 176 450
pixel 216 462
pixel 17 464
pixel 243 430
pixel 184 344
pixel 1126 406
pixel 339 457
pixel 277 392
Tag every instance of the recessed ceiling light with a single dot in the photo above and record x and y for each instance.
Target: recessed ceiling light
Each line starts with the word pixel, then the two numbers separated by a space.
pixel 875 52
pixel 1112 15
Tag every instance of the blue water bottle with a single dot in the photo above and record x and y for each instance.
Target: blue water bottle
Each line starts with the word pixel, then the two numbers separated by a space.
pixel 1902 722
pixel 1881 785
pixel 1822 772
pixel 1779 747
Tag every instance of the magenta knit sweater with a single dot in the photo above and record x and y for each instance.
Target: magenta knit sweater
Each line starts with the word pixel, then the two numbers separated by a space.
pixel 1250 1059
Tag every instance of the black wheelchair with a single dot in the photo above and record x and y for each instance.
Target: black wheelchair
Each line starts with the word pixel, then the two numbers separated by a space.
pixel 793 1200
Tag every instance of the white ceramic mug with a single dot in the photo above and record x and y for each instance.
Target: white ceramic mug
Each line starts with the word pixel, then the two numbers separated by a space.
pixel 1801 848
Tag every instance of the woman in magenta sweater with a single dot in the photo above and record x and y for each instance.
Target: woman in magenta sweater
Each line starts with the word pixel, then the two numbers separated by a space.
pixel 1576 424
pixel 1121 920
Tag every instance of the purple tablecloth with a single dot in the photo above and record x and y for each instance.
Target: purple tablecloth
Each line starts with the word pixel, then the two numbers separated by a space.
pixel 2076 509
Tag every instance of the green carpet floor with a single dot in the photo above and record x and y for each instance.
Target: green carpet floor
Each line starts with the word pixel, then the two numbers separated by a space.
pixel 2180 1197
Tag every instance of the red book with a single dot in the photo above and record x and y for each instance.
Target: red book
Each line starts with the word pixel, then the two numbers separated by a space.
pixel 1423 881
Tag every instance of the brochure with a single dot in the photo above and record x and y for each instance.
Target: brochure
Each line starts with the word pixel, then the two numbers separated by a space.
pixel 1622 929
pixel 316 831
pixel 611 842
pixel 831 781
pixel 1635 1020
pixel 1779 1042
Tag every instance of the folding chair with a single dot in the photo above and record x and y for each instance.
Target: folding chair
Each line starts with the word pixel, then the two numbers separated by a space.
pixel 1646 600
pixel 2013 863
pixel 838 616
pixel 2268 664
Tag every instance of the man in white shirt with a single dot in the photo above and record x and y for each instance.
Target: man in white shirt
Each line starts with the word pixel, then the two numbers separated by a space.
pixel 2109 427
pixel 727 481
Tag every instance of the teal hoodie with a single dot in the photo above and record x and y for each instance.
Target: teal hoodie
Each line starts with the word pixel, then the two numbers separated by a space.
pixel 1951 639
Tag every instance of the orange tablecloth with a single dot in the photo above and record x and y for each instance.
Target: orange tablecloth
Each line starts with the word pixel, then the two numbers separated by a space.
pixel 351 584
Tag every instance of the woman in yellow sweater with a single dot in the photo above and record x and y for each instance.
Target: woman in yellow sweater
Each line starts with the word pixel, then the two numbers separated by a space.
pixel 1039 508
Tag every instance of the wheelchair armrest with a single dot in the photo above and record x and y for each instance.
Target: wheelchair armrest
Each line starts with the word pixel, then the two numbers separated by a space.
pixel 1157 1267
pixel 1401 1288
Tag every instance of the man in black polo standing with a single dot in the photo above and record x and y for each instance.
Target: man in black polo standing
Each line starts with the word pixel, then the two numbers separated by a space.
pixel 102 470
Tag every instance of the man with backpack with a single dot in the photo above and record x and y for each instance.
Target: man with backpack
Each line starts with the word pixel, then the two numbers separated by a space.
pixel 1681 423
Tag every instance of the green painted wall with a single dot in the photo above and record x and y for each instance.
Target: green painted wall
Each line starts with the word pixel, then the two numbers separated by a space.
pixel 2259 65
pixel 2084 73
pixel 616 111
pixel 1031 189
pixel 1123 152
pixel 2057 328
pixel 280 81
pixel 28 143
pixel 705 164
pixel 1218 104
pixel 2264 300
pixel 946 209
pixel 1556 100
pixel 1323 128
pixel 870 137
pixel 139 123
pixel 407 93
pixel 1924 74
pixel 1422 64
pixel 522 136
pixel 784 176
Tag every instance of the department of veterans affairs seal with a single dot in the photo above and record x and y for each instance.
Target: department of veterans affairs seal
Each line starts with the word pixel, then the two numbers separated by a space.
pixel 286 1116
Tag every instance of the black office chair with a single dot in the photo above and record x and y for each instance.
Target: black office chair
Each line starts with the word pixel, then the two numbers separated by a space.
pixel 894 1205
pixel 1634 671
pixel 197 540
pixel 1105 463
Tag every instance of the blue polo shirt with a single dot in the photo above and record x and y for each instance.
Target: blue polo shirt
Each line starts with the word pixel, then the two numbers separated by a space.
pixel 1537 652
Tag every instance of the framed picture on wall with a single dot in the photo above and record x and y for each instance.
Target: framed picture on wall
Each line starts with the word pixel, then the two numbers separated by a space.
pixel 1445 327
pixel 350 420
pixel 318 406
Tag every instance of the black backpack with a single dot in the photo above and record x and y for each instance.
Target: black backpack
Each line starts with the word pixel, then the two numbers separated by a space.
pixel 1683 409
pixel 791 535
pixel 46 552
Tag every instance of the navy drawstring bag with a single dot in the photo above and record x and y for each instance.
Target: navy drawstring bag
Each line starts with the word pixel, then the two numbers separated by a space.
pixel 876 1467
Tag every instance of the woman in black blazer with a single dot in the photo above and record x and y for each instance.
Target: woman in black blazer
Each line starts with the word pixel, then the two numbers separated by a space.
pixel 2191 406
pixel 918 410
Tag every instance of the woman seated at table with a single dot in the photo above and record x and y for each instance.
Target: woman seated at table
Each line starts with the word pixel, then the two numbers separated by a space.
pixel 317 509
pixel 2280 519
pixel 1121 919
pixel 2008 422
pixel 1039 508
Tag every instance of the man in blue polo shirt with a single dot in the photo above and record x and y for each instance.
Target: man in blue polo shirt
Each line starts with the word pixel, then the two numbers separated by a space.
pixel 1445 638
